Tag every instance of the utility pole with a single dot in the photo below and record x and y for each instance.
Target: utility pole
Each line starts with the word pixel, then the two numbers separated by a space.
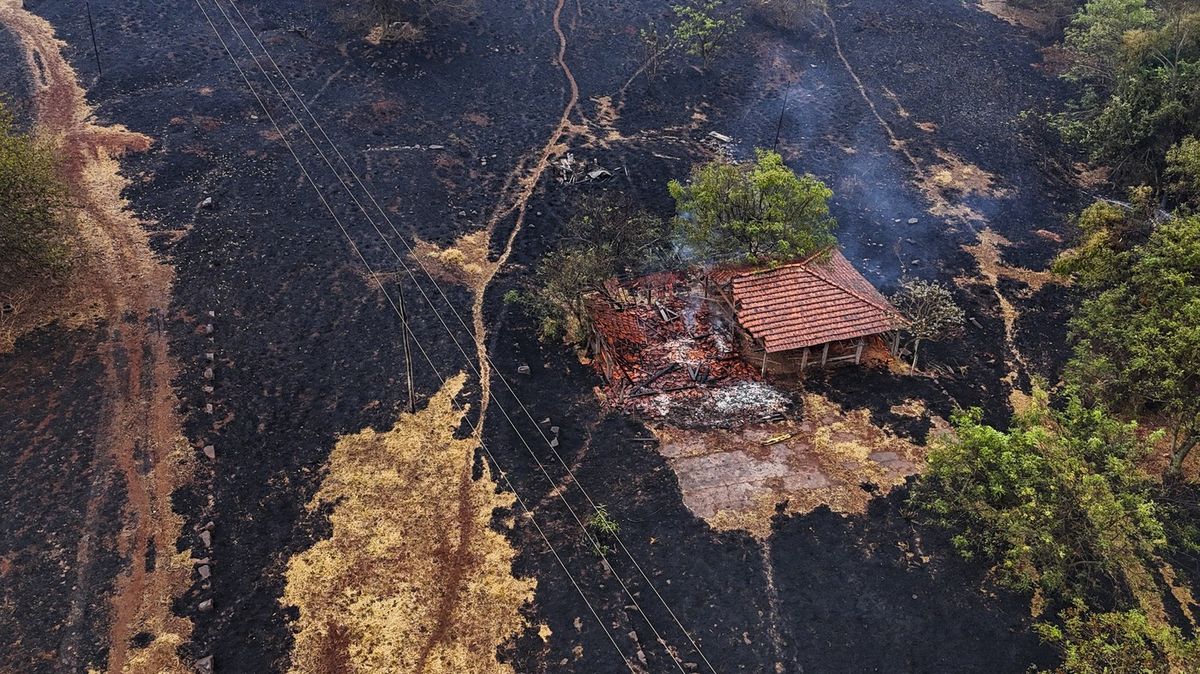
pixel 779 125
pixel 92 28
pixel 408 371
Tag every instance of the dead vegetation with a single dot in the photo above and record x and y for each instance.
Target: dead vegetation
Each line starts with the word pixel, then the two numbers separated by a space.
pixel 415 577
pixel 741 478
pixel 126 285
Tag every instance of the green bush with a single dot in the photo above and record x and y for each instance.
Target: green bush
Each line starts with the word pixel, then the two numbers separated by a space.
pixel 1119 643
pixel 1056 501
pixel 35 214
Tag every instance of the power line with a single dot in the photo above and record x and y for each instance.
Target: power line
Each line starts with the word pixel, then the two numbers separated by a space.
pixel 481 348
pixel 420 347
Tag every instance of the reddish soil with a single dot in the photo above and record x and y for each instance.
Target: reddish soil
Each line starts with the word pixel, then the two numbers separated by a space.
pixel 309 349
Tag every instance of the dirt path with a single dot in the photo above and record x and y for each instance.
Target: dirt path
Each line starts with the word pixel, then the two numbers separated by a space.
pixel 527 180
pixel 141 432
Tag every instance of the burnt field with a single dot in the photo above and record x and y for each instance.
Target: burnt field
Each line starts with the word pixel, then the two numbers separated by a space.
pixel 908 110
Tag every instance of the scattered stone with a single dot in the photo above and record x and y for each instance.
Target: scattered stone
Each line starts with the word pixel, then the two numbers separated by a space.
pixel 578 623
pixel 207 203
pixel 200 560
pixel 554 430
pixel 210 452
pixel 208 408
pixel 204 570
pixel 208 329
pixel 208 389
pixel 208 373
pixel 205 606
pixel 212 314
pixel 545 421
pixel 554 442
pixel 209 525
pixel 523 369
pixel 913 221
pixel 210 356
pixel 719 137
pixel 206 539
pixel 204 665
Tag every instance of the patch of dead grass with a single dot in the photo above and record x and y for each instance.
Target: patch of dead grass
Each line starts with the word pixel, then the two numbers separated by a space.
pixel 464 262
pixel 741 479
pixel 414 577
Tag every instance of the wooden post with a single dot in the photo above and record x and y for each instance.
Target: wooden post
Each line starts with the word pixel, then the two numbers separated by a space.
pixel 804 360
pixel 92 28
pixel 408 370
pixel 896 343
pixel 764 365
pixel 824 354
pixel 858 352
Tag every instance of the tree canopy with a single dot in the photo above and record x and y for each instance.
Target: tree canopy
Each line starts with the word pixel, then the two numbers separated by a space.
pixel 931 311
pixel 1137 331
pixel 1056 500
pixel 1139 68
pixel 758 211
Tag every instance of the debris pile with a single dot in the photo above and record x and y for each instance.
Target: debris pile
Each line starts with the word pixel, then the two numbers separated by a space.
pixel 665 354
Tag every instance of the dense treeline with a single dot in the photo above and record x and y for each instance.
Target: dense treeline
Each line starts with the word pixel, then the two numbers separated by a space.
pixel 1070 502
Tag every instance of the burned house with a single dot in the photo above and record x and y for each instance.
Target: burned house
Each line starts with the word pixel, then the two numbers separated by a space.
pixel 814 312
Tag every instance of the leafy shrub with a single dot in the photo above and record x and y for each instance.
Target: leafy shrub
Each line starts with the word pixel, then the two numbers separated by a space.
pixel 1056 502
pixel 35 209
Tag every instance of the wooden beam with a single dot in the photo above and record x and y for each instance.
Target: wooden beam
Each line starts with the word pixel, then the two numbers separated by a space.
pixel 825 354
pixel 804 360
pixel 858 352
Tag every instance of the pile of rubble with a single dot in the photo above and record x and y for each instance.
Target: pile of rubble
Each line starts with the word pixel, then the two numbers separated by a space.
pixel 666 355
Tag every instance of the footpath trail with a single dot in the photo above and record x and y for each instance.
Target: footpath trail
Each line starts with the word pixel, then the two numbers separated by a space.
pixel 526 178
pixel 140 430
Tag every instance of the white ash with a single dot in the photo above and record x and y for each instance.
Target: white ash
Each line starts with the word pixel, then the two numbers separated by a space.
pixel 749 396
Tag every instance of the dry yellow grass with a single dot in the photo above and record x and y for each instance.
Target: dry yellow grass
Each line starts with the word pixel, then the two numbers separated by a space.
pixel 842 446
pixel 414 578
pixel 465 262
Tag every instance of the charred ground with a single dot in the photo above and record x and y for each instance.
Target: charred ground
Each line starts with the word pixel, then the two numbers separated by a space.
pixel 307 351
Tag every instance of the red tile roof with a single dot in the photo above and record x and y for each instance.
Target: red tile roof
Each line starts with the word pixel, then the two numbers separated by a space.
pixel 809 303
pixel 614 324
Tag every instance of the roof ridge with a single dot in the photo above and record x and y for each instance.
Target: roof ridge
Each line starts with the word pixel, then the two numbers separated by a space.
pixel 886 307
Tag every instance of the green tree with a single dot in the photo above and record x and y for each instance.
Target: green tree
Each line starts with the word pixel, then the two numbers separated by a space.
pixel 1120 642
pixel 1096 38
pixel 35 213
pixel 759 211
pixel 1140 77
pixel 931 311
pixel 1056 501
pixel 703 30
pixel 607 236
pixel 1137 332
pixel 1183 171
